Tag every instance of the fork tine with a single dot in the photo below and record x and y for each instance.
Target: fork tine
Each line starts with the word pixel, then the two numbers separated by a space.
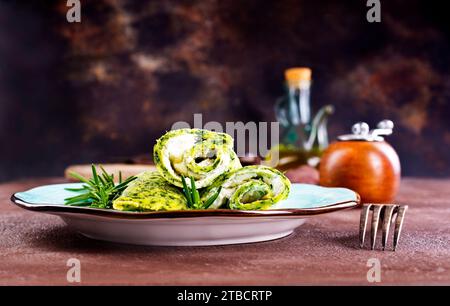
pixel 375 221
pixel 387 220
pixel 363 223
pixel 399 224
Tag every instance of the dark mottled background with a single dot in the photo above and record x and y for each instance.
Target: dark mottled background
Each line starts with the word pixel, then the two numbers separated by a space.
pixel 104 89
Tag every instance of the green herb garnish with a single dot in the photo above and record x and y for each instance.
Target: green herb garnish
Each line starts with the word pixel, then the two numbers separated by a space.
pixel 193 196
pixel 99 191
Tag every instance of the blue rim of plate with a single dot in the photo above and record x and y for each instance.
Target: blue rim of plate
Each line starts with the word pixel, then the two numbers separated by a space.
pixel 186 213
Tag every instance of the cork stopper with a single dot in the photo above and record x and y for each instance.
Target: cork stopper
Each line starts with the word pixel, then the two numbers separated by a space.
pixel 297 75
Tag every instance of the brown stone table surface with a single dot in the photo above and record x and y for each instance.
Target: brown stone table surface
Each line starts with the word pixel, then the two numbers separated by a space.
pixel 35 247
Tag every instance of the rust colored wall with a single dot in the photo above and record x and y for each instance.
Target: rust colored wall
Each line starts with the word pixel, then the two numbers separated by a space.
pixel 104 89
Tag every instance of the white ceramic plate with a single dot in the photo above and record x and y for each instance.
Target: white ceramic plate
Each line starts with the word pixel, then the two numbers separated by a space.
pixel 189 227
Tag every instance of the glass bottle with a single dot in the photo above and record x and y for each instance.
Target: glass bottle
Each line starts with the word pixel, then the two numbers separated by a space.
pixel 302 140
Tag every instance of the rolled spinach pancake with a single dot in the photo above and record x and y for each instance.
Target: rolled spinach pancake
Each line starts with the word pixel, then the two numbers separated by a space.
pixel 150 192
pixel 249 188
pixel 201 154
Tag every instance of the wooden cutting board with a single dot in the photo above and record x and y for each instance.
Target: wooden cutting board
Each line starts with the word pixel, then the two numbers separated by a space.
pixel 126 169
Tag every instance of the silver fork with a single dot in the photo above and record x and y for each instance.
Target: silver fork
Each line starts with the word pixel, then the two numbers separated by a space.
pixel 383 213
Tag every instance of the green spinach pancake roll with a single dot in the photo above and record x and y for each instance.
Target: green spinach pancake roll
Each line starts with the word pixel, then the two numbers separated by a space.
pixel 201 154
pixel 249 188
pixel 150 192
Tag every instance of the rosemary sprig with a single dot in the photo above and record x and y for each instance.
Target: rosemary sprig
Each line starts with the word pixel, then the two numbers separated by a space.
pixel 193 196
pixel 99 191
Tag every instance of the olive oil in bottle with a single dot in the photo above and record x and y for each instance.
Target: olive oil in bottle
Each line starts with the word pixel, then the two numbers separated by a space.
pixel 302 140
